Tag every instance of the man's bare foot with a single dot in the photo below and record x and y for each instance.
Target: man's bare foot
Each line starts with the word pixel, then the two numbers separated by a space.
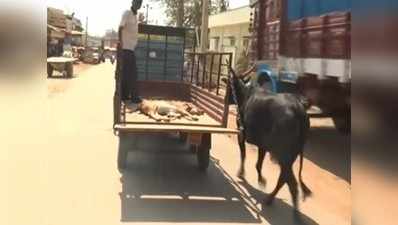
pixel 129 110
pixel 241 174
pixel 131 107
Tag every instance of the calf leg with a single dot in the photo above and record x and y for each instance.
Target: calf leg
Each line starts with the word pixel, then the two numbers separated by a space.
pixel 186 114
pixel 158 117
pixel 242 148
pixel 259 166
pixel 153 116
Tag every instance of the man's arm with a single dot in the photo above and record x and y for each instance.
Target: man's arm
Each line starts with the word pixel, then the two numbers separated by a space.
pixel 120 36
pixel 121 26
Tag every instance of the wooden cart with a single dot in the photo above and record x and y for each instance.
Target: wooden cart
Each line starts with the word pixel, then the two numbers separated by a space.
pixel 61 64
pixel 197 83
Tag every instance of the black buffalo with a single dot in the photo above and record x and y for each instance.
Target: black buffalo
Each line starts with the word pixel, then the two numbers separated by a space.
pixel 275 123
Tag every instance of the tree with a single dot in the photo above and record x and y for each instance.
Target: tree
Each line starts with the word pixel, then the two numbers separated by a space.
pixel 188 13
pixel 222 5
pixel 141 18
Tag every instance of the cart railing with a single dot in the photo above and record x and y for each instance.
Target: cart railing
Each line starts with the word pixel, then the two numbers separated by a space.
pixel 203 73
pixel 206 70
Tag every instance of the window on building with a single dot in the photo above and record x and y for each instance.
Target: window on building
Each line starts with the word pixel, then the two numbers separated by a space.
pixel 214 43
pixel 245 42
pixel 229 41
pixel 232 41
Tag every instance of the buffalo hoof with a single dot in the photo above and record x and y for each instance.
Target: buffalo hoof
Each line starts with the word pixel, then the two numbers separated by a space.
pixel 306 192
pixel 262 182
pixel 297 216
pixel 269 201
pixel 241 174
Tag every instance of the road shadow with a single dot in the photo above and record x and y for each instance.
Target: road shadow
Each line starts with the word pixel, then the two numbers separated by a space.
pixel 279 213
pixel 162 183
pixel 330 150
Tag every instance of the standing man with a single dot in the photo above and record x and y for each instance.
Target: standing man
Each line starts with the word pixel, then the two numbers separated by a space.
pixel 128 37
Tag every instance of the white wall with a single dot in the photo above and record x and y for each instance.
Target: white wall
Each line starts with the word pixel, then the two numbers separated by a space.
pixel 238 31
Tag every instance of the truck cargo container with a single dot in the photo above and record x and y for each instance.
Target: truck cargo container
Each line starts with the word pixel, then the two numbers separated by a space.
pixel 307 43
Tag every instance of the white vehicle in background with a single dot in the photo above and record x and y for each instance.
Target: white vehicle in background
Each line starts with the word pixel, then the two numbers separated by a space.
pixel 64 65
pixel 91 55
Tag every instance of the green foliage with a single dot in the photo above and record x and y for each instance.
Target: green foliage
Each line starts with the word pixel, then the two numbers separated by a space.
pixel 192 10
pixel 222 5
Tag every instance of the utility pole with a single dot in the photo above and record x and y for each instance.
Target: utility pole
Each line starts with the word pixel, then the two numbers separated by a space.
pixel 85 43
pixel 147 12
pixel 180 13
pixel 205 25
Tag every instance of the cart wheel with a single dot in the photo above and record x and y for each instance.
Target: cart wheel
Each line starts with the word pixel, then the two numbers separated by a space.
pixel 122 157
pixel 69 70
pixel 203 152
pixel 343 123
pixel 50 70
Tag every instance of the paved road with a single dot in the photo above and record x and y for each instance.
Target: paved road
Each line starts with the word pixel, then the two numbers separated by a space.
pixel 78 182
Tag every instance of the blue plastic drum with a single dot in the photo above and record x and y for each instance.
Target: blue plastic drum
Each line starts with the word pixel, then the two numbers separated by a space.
pixel 270 77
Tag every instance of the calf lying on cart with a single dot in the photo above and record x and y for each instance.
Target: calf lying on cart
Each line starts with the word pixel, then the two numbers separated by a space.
pixel 165 111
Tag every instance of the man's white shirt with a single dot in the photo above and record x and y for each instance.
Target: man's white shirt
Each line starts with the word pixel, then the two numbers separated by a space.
pixel 130 30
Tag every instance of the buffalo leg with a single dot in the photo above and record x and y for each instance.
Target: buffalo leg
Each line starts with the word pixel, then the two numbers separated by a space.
pixel 306 191
pixel 242 148
pixel 259 166
pixel 279 185
pixel 292 183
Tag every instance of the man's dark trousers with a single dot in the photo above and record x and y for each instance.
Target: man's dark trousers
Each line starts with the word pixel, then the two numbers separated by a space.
pixel 129 76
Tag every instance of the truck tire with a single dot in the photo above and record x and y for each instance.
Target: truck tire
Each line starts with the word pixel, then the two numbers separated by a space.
pixel 69 70
pixel 343 123
pixel 122 157
pixel 203 152
pixel 184 140
pixel 50 70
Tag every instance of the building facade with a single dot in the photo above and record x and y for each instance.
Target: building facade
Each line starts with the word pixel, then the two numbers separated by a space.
pixel 63 32
pixel 56 31
pixel 111 39
pixel 229 32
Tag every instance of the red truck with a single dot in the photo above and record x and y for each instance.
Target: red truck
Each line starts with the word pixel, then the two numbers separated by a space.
pixel 307 43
